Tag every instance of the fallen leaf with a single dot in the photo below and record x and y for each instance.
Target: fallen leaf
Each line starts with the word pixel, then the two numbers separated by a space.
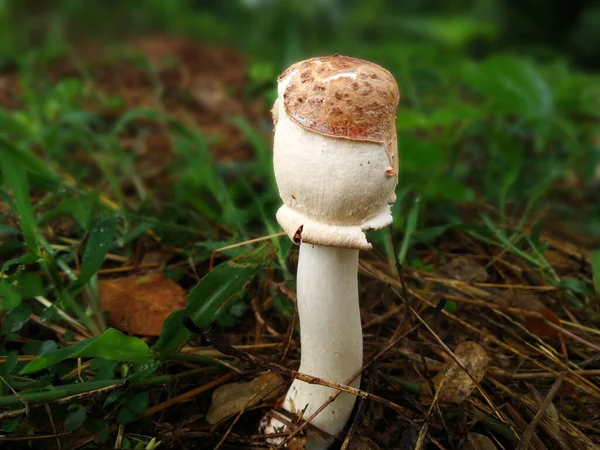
pixel 232 398
pixel 297 443
pixel 539 327
pixel 524 300
pixel 463 269
pixel 10 91
pixel 559 260
pixel 140 304
pixel 476 441
pixel 458 385
pixel 531 302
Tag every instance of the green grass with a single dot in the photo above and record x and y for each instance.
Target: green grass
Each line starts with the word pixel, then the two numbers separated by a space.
pixel 491 148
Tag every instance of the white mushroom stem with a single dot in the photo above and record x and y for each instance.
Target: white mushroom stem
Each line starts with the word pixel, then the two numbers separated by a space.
pixel 336 165
pixel 331 335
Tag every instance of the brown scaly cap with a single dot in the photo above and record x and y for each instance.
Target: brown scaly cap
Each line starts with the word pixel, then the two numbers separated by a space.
pixel 361 107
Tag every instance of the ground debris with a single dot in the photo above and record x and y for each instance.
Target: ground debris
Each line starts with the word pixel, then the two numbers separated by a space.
pixel 232 398
pixel 463 269
pixel 475 441
pixel 455 384
pixel 200 85
pixel 140 304
pixel 556 426
pixel 363 443
pixel 10 91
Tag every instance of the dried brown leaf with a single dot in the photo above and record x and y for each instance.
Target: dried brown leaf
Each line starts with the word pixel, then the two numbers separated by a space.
pixel 463 269
pixel 524 300
pixel 10 91
pixel 458 385
pixel 539 327
pixel 476 441
pixel 559 260
pixel 232 398
pixel 531 301
pixel 140 304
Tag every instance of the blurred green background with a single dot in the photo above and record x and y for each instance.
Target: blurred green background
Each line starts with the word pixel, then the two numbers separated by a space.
pixel 500 104
pixel 285 31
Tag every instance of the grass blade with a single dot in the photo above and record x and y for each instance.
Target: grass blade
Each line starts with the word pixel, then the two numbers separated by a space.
pixel 209 298
pixel 28 160
pixel 16 178
pixel 112 345
pixel 56 392
pixel 5 229
pixel 596 270
pixel 409 230
pixel 97 246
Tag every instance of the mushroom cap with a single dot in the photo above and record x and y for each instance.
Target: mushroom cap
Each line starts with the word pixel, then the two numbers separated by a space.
pixel 343 97
pixel 335 150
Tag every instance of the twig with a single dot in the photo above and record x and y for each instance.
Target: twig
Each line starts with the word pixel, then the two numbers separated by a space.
pixel 242 410
pixel 60 331
pixel 290 333
pixel 63 400
pixel 49 412
pixel 21 399
pixel 186 396
pixel 529 432
pixel 566 437
pixel 228 349
pixel 432 389
pixel 290 421
pixel 536 442
pixel 586 386
pixel 32 438
pixel 261 320
pixel 76 325
pixel 119 439
pixel 501 373
pixel 462 366
pixel 432 407
pixel 446 348
pixel 211 262
pixel 360 409
pixel 372 361
pixel 572 335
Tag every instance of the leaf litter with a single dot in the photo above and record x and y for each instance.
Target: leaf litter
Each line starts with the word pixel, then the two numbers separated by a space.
pixel 140 304
pixel 455 384
pixel 233 398
pixel 508 330
pixel 475 441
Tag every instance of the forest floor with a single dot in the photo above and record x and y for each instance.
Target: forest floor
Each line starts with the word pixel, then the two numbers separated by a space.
pixel 131 176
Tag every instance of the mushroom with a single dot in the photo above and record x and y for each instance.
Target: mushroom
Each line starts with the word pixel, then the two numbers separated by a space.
pixel 336 166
